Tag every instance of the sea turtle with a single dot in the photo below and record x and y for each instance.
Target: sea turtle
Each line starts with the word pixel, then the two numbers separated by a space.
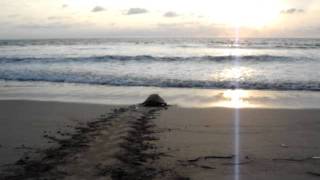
pixel 154 100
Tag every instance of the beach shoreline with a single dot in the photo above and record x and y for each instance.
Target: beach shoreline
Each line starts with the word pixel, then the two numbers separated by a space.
pixel 183 97
pixel 172 143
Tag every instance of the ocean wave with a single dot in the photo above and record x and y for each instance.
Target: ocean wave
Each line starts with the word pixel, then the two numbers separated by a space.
pixel 158 82
pixel 251 43
pixel 149 58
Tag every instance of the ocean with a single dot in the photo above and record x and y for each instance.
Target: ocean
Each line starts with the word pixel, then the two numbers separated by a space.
pixel 197 71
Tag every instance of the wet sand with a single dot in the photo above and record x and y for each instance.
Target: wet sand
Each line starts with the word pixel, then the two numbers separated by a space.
pixel 274 143
pixel 135 142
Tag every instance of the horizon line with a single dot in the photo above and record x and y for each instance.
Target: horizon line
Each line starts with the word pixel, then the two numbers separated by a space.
pixel 153 37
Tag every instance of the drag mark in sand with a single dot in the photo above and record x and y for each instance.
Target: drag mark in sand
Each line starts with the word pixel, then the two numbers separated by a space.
pixel 137 151
pixel 117 146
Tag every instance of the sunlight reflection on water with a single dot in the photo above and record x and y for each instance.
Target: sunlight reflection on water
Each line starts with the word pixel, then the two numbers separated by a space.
pixel 184 97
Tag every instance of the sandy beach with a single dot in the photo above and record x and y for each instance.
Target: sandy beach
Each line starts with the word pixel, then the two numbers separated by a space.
pixel 160 90
pixel 274 143
pixel 87 141
pixel 23 124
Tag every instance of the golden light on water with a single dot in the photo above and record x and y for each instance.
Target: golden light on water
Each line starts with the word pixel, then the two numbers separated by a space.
pixel 235 98
pixel 233 73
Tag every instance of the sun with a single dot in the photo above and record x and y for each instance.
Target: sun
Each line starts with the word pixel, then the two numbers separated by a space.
pixel 246 13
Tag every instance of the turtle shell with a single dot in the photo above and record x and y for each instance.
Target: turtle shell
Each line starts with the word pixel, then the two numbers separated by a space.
pixel 154 100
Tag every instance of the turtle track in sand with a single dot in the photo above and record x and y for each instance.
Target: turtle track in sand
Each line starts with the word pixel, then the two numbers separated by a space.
pixel 137 152
pixel 116 146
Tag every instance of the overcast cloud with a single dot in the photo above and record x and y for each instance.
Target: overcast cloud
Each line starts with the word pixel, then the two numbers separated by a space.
pixel 71 18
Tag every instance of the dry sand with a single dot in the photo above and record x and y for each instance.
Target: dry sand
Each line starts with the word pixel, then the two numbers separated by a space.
pixel 135 142
pixel 24 123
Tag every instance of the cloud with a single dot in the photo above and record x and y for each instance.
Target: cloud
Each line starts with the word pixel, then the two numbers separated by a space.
pixel 98 9
pixel 170 14
pixel 192 28
pixel 292 11
pixel 64 5
pixel 178 25
pixel 56 18
pixel 44 26
pixel 13 16
pixel 133 11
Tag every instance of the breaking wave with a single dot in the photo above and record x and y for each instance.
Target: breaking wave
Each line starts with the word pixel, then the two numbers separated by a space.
pixel 157 82
pixel 148 58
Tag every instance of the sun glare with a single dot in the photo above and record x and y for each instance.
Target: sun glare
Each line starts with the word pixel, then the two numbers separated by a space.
pixel 247 13
pixel 236 98
pixel 241 14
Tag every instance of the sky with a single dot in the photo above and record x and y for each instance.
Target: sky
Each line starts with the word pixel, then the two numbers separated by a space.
pixel 28 19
